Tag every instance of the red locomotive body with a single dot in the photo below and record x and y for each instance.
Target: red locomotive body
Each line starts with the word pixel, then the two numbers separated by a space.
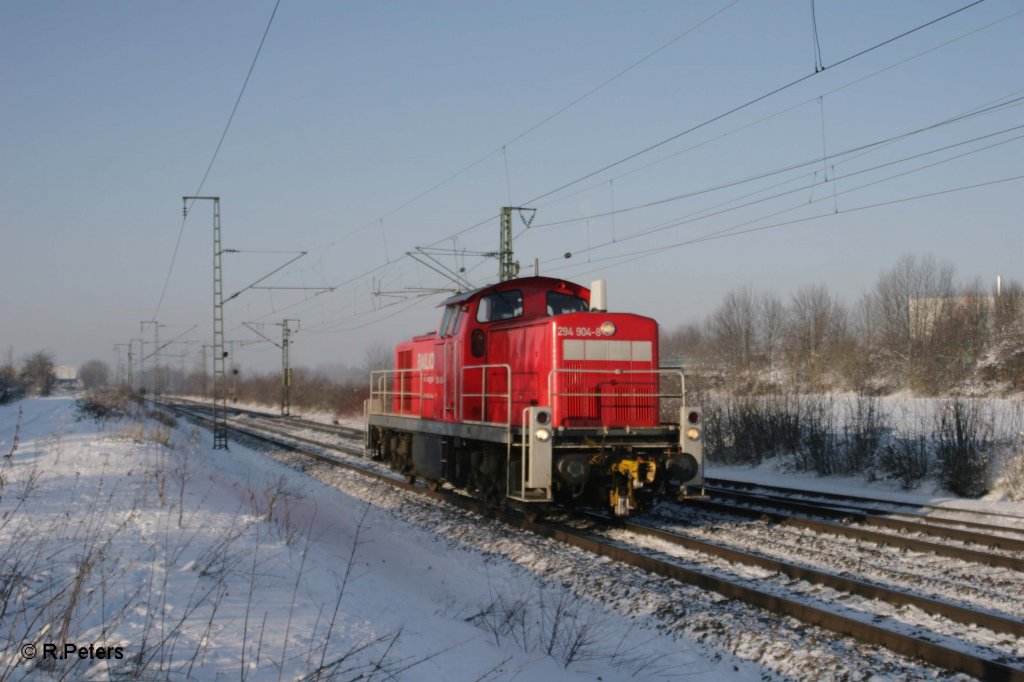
pixel 526 392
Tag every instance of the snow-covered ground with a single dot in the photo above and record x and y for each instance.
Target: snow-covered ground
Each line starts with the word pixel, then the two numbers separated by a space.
pixel 774 472
pixel 180 561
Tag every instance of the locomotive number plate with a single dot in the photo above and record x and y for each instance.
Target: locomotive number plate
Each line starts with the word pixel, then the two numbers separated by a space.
pixel 584 332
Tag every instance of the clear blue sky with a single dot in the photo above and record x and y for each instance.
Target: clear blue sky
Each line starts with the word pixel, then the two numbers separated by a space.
pixel 111 111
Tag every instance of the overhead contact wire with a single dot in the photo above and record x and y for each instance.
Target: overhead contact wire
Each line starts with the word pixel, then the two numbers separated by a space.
pixel 209 166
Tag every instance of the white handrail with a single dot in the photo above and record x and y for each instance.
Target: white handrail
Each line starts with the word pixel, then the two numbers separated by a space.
pixel 484 395
pixel 401 382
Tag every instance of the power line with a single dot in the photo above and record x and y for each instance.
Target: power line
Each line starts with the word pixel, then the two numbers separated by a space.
pixel 785 110
pixel 697 216
pixel 630 257
pixel 209 166
pixel 790 167
pixel 751 102
pixel 535 126
pixel 720 116
pixel 716 118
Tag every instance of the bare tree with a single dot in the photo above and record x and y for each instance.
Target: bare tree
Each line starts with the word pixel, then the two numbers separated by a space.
pixel 686 343
pixel 733 327
pixel 906 302
pixel 773 320
pixel 1008 331
pixel 37 373
pixel 10 383
pixel 94 374
pixel 377 356
pixel 816 327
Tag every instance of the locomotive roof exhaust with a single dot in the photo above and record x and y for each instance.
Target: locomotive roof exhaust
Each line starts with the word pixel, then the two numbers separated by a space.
pixel 598 296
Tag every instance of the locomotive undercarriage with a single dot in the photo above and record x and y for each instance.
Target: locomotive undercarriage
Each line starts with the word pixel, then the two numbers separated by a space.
pixel 625 472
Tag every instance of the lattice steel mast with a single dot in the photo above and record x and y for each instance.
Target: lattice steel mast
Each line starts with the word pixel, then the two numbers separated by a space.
pixel 220 402
pixel 508 268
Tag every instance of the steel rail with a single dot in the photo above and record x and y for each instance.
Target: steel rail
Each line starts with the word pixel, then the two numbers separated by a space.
pixel 859 499
pixel 338 429
pixel 982 539
pixel 914 544
pixel 960 614
pixel 907 645
pixel 861 505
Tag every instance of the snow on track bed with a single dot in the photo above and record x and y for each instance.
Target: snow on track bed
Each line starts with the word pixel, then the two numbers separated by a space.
pixel 960 531
pixel 948 510
pixel 784 646
pixel 1005 649
pixel 999 590
pixel 909 620
pixel 457 528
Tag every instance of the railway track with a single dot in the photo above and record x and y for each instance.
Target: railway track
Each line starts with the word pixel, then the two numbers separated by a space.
pixel 782 587
pixel 968 543
pixel 871 503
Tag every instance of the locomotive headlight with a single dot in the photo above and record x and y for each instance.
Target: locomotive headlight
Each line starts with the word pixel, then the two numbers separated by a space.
pixel 608 329
pixel 542 435
pixel 693 433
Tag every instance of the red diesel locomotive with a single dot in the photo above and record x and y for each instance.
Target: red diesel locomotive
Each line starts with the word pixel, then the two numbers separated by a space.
pixel 530 392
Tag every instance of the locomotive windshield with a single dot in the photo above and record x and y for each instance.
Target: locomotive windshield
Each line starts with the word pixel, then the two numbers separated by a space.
pixel 503 305
pixel 559 303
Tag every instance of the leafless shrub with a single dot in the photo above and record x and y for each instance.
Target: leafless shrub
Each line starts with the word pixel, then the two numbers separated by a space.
pixel 505 617
pixel 550 622
pixel 160 435
pixel 963 447
pixel 162 417
pixel 865 429
pixel 17 435
pixel 102 406
pixel 819 449
pixel 135 431
pixel 747 430
pixel 1013 477
pixel 905 458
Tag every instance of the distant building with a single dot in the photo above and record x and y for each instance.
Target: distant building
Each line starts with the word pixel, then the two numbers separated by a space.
pixel 67 377
pixel 925 312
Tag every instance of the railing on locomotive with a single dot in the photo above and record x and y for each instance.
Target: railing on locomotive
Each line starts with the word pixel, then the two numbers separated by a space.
pixel 661 372
pixel 379 384
pixel 484 395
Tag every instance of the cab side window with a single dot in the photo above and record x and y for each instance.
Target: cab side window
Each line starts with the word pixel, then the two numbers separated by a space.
pixel 457 319
pixel 445 321
pixel 503 305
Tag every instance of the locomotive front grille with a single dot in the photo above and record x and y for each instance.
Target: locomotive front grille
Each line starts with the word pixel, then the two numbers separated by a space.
pixel 620 396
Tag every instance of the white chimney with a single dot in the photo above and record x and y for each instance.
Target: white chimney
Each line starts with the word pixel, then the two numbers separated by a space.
pixel 598 296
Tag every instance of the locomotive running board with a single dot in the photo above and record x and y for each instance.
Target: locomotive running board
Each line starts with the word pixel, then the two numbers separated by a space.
pixel 496 433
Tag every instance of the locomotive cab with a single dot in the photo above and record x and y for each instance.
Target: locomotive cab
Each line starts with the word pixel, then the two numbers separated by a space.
pixel 526 393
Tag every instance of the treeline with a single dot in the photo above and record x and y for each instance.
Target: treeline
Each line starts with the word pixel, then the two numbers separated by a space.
pixel 35 375
pixel 310 390
pixel 916 329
